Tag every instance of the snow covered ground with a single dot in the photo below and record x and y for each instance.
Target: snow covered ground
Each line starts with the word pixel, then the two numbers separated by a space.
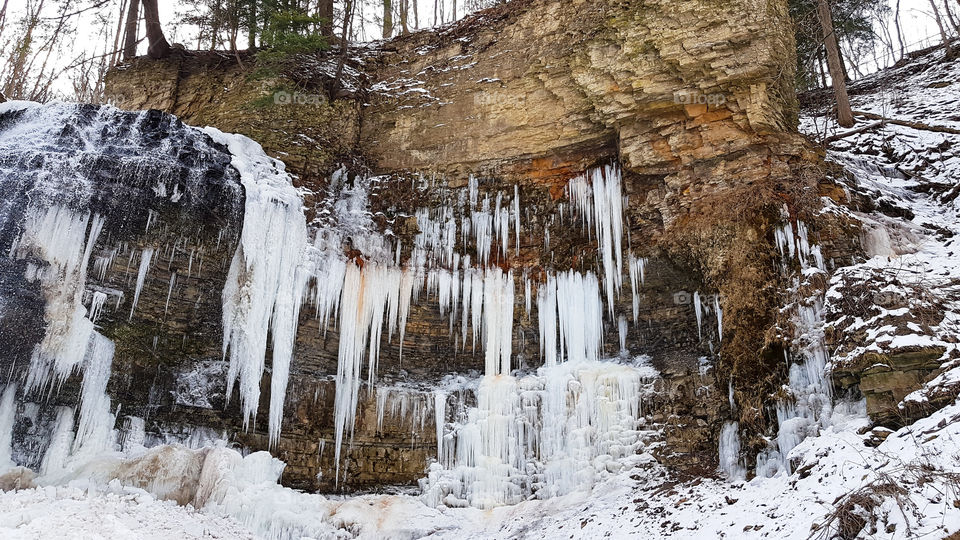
pixel 911 483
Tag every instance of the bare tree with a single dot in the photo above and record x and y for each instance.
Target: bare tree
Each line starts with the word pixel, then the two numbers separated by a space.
pixel 899 28
pixel 158 48
pixel 837 75
pixel 387 19
pixel 943 32
pixel 404 11
pixel 348 10
pixel 950 17
pixel 130 35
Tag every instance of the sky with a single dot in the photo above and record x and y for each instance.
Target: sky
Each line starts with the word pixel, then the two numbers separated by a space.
pixel 919 27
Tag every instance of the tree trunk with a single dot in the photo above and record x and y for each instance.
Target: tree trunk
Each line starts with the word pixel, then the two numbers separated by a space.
pixel 416 16
pixel 899 28
pixel 130 37
pixel 943 31
pixel 953 20
pixel 3 15
pixel 387 19
pixel 404 9
pixel 159 48
pixel 116 37
pixel 325 12
pixel 844 114
pixel 344 42
pixel 251 24
pixel 216 16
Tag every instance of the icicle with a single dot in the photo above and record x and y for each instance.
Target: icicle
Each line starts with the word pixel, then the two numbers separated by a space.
pixel 729 449
pixel 603 204
pixel 440 415
pixel 265 283
pixel 8 412
pixel 580 316
pixel 141 276
pixel 622 327
pixel 516 219
pixel 498 292
pixel 636 268
pixel 547 320
pixel 716 307
pixel 698 311
pixel 96 305
pixel 173 281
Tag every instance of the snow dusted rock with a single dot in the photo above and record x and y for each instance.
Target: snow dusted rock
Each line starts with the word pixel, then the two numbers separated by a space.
pixel 892 317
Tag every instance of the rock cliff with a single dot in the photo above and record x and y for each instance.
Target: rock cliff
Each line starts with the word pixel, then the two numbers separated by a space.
pixel 692 99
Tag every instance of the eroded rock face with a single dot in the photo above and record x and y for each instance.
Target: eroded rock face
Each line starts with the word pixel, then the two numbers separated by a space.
pixel 148 196
pixel 692 99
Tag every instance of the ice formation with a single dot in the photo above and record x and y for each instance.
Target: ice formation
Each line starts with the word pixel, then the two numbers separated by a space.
pixel 64 240
pixel 729 449
pixel 8 412
pixel 809 403
pixel 598 198
pixel 543 435
pixel 146 256
pixel 266 281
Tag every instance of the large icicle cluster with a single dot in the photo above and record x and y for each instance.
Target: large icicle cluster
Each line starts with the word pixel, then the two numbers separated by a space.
pixel 267 279
pixel 598 198
pixel 543 435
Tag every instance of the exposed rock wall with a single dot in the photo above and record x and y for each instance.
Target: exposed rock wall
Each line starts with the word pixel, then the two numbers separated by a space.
pixel 693 98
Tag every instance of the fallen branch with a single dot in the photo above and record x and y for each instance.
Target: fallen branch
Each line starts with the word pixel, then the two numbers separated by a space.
pixel 846 134
pixel 914 125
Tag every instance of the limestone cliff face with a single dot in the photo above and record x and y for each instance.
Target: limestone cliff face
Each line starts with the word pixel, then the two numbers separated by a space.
pixel 693 98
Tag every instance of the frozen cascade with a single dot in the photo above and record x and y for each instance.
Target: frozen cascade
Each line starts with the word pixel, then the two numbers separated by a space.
pixel 62 239
pixel 601 204
pixel 367 294
pixel 570 303
pixel 541 435
pixel 266 281
pixel 8 412
pixel 809 405
pixel 498 294
pixel 729 446
pixel 55 458
pixel 145 257
pixel 96 423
